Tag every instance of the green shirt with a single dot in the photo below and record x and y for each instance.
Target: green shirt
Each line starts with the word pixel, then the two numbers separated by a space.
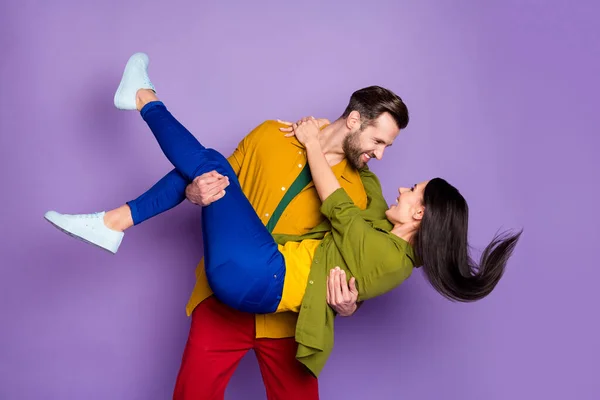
pixel 359 242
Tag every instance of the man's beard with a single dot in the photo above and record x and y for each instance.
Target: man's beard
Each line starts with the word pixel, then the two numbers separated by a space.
pixel 352 150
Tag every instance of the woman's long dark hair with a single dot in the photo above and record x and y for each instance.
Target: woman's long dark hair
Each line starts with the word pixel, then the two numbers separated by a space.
pixel 442 249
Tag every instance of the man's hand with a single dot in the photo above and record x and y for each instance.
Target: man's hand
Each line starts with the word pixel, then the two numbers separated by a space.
pixel 341 295
pixel 207 188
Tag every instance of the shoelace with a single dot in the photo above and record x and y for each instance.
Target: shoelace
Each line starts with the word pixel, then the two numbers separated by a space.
pixel 88 216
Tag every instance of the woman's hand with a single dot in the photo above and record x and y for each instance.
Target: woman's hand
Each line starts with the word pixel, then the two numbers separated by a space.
pixel 290 125
pixel 306 130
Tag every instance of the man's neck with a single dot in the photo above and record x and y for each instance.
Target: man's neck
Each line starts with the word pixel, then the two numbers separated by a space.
pixel 331 139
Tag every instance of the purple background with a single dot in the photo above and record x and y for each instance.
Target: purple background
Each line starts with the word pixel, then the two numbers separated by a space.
pixel 504 103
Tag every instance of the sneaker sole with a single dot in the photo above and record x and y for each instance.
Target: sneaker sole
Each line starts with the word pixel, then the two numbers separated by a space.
pixel 117 96
pixel 78 237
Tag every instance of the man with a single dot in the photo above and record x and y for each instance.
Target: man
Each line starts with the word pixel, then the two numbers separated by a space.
pixel 273 174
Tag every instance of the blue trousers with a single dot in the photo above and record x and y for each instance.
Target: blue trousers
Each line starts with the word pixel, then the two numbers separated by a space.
pixel 243 265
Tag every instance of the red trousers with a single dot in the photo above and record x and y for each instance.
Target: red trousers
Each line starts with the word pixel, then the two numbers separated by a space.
pixel 219 337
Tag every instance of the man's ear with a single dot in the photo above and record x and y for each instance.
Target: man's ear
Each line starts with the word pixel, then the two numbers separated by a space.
pixel 353 121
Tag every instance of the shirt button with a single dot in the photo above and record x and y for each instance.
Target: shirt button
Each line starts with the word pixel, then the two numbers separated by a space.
pixel 267 214
pixel 299 165
pixel 282 188
pixel 316 261
pixel 274 276
pixel 311 282
pixel 299 152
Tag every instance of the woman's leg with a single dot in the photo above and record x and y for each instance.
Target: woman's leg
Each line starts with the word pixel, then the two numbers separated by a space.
pixel 106 229
pixel 164 195
pixel 243 264
pixel 181 148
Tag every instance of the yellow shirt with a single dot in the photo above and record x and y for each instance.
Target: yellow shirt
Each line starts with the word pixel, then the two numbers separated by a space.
pixel 298 259
pixel 267 163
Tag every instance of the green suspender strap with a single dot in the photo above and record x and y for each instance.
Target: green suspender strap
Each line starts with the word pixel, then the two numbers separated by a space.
pixel 300 183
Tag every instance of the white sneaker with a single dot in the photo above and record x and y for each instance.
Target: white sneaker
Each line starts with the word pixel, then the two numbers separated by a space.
pixel 135 77
pixel 87 227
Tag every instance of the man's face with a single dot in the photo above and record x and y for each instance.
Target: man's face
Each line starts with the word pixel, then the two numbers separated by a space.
pixel 361 146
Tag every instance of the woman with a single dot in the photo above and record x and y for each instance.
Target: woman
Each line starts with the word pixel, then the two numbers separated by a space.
pixel 246 267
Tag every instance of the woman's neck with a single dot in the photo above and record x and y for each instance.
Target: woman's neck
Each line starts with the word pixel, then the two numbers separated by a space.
pixel 405 231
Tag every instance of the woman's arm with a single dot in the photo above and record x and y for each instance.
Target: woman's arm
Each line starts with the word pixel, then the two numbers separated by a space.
pixel 307 133
pixel 378 260
pixel 322 175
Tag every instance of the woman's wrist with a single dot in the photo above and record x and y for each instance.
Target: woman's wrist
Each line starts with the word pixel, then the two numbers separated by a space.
pixel 313 145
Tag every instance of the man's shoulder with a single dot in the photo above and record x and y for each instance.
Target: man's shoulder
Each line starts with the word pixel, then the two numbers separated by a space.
pixel 269 125
pixel 272 124
pixel 267 133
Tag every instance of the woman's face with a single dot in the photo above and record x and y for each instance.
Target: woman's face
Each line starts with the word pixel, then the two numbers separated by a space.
pixel 409 205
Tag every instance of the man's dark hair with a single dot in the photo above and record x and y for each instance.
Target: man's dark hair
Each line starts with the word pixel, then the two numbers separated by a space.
pixel 373 101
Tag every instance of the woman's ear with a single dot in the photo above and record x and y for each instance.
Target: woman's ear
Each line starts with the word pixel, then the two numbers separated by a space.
pixel 418 214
